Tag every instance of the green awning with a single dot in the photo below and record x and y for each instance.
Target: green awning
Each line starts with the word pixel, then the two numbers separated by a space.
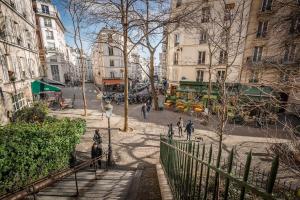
pixel 38 86
pixel 214 97
pixel 257 91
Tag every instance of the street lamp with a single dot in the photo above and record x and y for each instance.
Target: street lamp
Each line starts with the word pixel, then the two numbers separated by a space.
pixel 108 112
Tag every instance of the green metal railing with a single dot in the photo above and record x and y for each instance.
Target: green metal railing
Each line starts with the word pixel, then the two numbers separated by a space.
pixel 192 173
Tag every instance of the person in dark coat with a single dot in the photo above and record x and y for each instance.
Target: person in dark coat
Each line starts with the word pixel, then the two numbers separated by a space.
pixel 144 110
pixel 97 137
pixel 96 152
pixel 148 105
pixel 189 128
pixel 180 126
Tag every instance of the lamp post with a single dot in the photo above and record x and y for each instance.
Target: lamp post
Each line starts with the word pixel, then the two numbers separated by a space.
pixel 108 112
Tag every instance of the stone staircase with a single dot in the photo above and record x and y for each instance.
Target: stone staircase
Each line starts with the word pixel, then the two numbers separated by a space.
pixel 112 184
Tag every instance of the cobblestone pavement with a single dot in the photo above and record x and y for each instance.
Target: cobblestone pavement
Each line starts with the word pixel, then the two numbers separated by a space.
pixel 141 145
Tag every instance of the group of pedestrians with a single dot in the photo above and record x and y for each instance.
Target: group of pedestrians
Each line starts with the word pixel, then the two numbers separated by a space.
pixel 189 129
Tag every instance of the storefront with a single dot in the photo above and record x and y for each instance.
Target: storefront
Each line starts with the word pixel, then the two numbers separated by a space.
pixel 113 85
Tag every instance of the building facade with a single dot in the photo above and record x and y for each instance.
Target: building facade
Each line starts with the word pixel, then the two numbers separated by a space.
pixel 51 40
pixel 19 62
pixel 108 60
pixel 199 53
pixel 272 55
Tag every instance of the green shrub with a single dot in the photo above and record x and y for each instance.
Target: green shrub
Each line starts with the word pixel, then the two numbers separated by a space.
pixel 30 151
pixel 36 113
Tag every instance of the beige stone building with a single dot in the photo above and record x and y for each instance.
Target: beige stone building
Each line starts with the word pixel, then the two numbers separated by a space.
pixel 19 62
pixel 108 60
pixel 272 55
pixel 51 40
pixel 188 55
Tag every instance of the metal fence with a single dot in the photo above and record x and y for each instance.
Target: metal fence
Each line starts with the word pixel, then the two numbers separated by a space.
pixel 193 173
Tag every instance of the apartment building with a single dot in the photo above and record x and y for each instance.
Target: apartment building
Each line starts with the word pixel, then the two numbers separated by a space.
pixel 135 69
pixel 51 40
pixel 188 55
pixel 108 59
pixel 19 62
pixel 272 55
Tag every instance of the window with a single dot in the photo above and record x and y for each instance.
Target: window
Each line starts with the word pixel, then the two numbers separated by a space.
pixel 45 9
pixel 220 75
pixel 225 35
pixel 175 58
pixel 223 57
pixel 49 35
pixel 295 25
pixel 228 11
pixel 289 53
pixel 285 76
pixel 201 57
pixel 176 39
pixel 205 14
pixel 266 5
pixel 110 38
pixel 4 68
pixel 112 75
pixel 51 45
pixel 175 74
pixel 178 3
pixel 203 37
pixel 19 101
pixel 257 54
pixel 47 22
pixel 254 77
pixel 200 75
pixel 55 72
pixel 110 51
pixel 262 29
pixel 54 59
pixel 111 63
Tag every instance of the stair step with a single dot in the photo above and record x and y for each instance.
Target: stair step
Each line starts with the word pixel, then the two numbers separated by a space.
pixel 112 184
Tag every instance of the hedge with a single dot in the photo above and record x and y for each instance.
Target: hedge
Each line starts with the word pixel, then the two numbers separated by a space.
pixel 29 151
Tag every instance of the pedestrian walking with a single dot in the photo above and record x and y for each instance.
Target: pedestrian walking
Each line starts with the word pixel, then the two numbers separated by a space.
pixel 144 110
pixel 95 153
pixel 97 137
pixel 189 128
pixel 170 131
pixel 148 105
pixel 180 126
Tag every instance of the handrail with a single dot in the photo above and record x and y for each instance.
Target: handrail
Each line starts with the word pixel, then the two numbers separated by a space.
pixel 35 187
pixel 225 174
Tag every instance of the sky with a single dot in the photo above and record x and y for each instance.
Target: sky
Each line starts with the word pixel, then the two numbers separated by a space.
pixel 87 39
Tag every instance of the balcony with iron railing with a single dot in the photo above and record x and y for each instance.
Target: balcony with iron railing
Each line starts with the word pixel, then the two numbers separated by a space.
pixel 271 61
pixel 45 12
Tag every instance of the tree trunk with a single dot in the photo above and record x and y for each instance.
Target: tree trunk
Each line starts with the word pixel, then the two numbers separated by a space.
pixel 83 84
pixel 209 81
pixel 83 74
pixel 125 54
pixel 154 95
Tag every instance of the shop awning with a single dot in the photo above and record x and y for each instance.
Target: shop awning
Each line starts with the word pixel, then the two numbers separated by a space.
pixel 38 87
pixel 257 91
pixel 112 81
